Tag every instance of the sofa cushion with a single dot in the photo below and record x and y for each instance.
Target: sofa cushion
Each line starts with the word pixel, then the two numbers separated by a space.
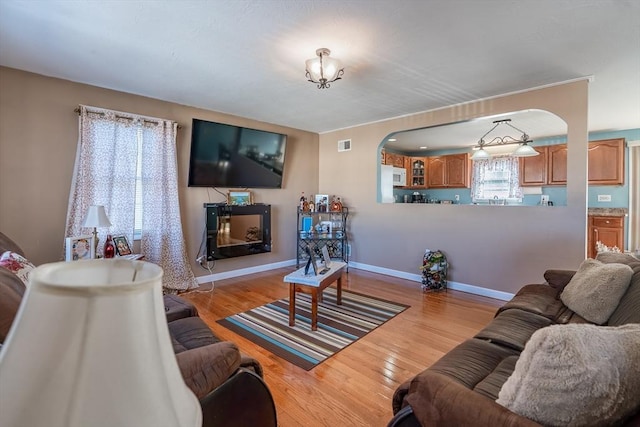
pixel 470 362
pixel 595 290
pixel 11 291
pixel 491 385
pixel 206 368
pixel 578 375
pixel 513 328
pixel 628 311
pixel 538 299
pixel 190 332
pixel 6 244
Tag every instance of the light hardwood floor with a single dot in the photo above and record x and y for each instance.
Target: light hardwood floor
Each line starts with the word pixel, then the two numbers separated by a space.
pixel 355 386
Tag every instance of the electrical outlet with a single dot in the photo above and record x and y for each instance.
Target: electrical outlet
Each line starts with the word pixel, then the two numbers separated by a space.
pixel 544 199
pixel 348 249
pixel 604 197
pixel 457 197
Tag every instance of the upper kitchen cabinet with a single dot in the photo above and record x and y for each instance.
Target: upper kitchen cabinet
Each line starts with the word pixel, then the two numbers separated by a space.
pixel 393 159
pixel 557 164
pixel 606 162
pixel 416 172
pixel 449 171
pixel 533 170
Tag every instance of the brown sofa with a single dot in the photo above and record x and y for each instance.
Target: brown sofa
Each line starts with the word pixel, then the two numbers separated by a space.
pixel 461 388
pixel 228 384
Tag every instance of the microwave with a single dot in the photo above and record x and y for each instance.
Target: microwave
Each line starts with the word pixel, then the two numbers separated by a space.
pixel 399 177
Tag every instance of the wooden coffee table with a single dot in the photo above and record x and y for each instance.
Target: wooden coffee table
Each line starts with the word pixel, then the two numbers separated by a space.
pixel 311 284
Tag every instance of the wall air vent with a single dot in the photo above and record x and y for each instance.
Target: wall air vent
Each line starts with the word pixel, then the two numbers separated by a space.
pixel 344 145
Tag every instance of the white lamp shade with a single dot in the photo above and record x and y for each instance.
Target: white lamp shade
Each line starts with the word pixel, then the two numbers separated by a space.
pixel 90 346
pixel 96 217
pixel 327 69
pixel 525 151
pixel 480 154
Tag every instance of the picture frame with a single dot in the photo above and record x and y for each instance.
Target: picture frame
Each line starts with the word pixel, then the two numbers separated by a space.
pixel 122 245
pixel 80 248
pixel 240 198
pixel 322 202
pixel 311 262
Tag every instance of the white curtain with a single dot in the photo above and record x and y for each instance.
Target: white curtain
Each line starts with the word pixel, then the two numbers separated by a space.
pixel 634 196
pixel 498 176
pixel 105 174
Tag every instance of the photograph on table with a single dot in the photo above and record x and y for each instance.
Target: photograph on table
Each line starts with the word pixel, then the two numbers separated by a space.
pixel 122 245
pixel 80 248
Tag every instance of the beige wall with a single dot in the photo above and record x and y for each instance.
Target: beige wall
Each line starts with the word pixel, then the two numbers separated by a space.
pixel 38 139
pixel 499 248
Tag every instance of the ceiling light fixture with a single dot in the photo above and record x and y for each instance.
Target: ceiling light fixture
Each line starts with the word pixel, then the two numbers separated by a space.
pixel 324 70
pixel 524 150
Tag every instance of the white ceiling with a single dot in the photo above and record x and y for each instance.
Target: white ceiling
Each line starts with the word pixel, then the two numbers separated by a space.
pixel 246 57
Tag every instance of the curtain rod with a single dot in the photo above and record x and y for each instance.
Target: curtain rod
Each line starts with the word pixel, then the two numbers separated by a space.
pixel 77 110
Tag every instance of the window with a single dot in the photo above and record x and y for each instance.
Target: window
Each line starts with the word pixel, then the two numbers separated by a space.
pixel 496 178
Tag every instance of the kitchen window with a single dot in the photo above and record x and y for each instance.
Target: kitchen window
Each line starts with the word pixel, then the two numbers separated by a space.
pixel 496 179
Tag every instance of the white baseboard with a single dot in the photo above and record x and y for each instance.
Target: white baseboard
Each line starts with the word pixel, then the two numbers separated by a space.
pixel 471 289
pixel 244 271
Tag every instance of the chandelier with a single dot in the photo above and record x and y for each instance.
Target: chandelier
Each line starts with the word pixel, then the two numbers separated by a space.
pixel 524 150
pixel 324 70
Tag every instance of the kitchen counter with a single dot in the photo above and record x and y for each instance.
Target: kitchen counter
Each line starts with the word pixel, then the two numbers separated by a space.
pixel 608 211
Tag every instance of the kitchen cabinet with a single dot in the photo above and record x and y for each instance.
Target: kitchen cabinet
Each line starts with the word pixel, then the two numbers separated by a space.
pixel 606 162
pixel 557 164
pixel 416 172
pixel 449 171
pixel 393 159
pixel 533 170
pixel 607 229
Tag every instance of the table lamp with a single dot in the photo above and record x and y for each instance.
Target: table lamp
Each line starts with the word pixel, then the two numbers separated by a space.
pixel 96 217
pixel 90 346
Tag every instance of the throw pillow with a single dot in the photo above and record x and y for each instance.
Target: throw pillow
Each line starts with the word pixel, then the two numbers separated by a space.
pixel 595 290
pixel 576 375
pixel 17 264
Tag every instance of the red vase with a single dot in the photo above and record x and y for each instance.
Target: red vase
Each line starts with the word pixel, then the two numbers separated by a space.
pixel 109 250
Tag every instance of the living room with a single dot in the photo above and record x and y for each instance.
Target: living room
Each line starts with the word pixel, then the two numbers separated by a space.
pixel 493 252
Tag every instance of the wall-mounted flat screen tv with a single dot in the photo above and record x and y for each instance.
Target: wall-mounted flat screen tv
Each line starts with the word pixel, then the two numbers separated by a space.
pixel 236 157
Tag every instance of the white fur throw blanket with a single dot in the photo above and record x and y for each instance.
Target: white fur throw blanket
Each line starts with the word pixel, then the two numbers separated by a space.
pixel 576 375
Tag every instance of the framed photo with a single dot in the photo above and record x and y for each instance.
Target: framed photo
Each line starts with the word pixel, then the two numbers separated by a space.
pixel 311 262
pixel 122 245
pixel 239 198
pixel 79 248
pixel 322 202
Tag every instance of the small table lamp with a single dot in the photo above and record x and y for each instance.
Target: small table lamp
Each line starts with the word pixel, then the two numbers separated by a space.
pixel 96 217
pixel 90 346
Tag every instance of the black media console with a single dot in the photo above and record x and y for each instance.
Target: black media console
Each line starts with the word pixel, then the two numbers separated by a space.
pixel 234 230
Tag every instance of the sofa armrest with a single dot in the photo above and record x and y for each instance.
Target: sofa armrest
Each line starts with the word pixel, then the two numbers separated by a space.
pixel 438 400
pixel 206 368
pixel 558 279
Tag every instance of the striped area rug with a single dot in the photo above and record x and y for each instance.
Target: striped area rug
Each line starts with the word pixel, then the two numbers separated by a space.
pixel 338 325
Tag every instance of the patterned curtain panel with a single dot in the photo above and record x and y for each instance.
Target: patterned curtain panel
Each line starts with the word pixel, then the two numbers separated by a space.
pixel 162 241
pixel 105 174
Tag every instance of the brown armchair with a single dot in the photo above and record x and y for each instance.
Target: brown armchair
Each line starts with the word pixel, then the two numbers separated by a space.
pixel 228 384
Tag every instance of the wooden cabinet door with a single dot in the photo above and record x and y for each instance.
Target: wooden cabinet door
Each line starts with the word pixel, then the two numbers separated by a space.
pixel 436 172
pixel 606 162
pixel 393 159
pixel 457 170
pixel 416 172
pixel 557 164
pixel 382 160
pixel 606 229
pixel 533 170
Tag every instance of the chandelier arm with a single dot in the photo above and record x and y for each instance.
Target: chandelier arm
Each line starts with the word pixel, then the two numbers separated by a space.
pixel 481 142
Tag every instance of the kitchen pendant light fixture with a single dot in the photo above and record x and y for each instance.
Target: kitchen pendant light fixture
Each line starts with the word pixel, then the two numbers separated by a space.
pixel 323 70
pixel 524 150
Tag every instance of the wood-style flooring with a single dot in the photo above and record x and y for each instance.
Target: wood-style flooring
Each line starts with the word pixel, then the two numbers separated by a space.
pixel 355 386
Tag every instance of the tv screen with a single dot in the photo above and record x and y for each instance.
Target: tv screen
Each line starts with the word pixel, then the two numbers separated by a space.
pixel 231 156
